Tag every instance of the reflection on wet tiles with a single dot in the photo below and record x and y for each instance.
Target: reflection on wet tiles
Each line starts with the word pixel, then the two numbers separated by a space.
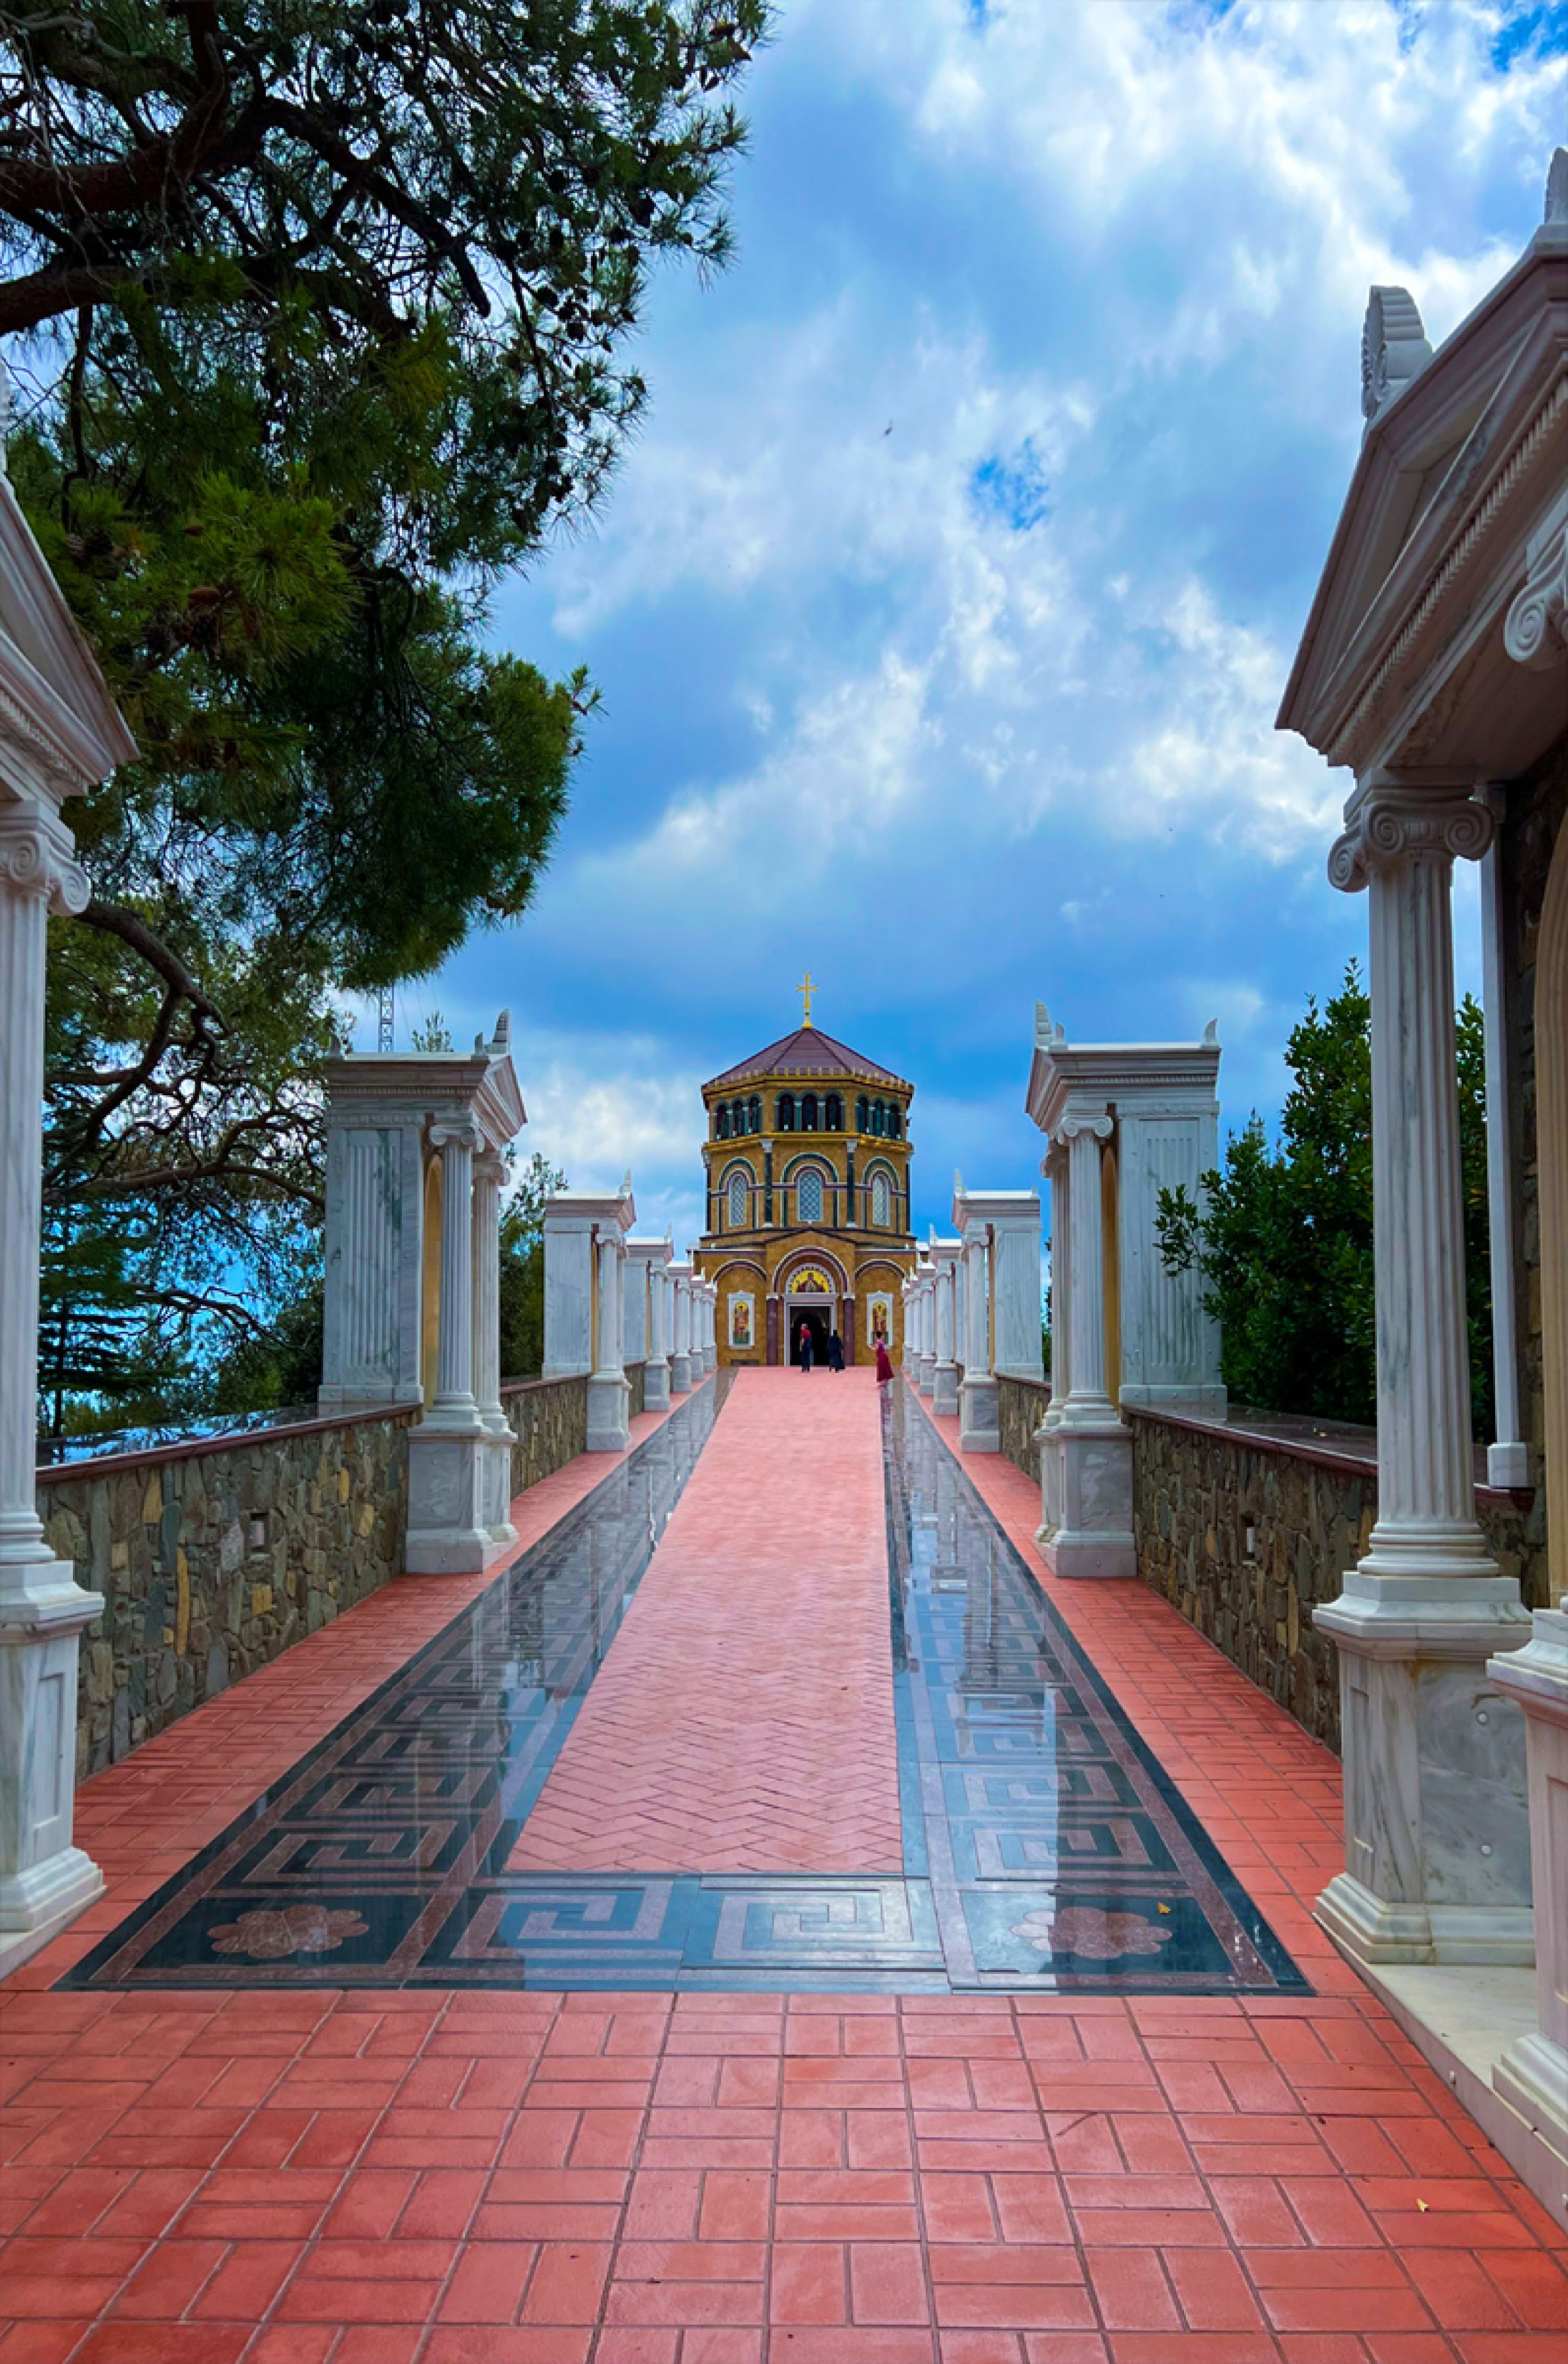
pixel 1043 1846
pixel 1057 1852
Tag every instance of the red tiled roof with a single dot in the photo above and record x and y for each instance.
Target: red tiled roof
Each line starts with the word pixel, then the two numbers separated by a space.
pixel 806 1051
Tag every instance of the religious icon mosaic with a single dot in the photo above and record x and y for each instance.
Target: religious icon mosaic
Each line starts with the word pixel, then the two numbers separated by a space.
pixel 1043 1847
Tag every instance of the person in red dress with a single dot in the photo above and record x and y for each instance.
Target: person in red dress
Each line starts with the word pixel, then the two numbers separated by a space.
pixel 884 1363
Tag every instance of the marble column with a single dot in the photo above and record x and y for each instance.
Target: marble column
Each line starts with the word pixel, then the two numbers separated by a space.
pixel 680 1329
pixel 609 1392
pixel 979 1421
pixel 709 1327
pixel 1532 2074
pixel 1055 1170
pixel 451 1453
pixel 944 1370
pixel 1435 1854
pixel 454 1404
pixel 1094 1447
pixel 44 1879
pixel 656 1373
pixel 489 1173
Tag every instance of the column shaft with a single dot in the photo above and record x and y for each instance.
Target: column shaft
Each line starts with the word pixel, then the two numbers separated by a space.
pixel 454 1345
pixel 24 924
pixel 1086 1294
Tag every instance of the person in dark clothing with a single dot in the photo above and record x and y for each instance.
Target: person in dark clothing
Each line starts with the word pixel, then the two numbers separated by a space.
pixel 806 1346
pixel 835 1353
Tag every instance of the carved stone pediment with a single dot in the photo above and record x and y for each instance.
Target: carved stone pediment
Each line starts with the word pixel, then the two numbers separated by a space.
pixel 1403 662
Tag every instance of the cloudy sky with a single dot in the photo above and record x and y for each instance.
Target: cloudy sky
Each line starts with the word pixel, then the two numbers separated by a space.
pixel 942 610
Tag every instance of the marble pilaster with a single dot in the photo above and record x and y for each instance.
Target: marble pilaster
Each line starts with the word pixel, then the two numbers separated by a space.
pixel 647 1317
pixel 681 1364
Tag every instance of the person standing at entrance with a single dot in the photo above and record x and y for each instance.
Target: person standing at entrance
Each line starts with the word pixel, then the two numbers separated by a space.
pixel 806 1346
pixel 835 1353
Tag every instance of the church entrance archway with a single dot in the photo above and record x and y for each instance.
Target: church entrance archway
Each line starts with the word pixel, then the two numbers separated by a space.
pixel 815 1319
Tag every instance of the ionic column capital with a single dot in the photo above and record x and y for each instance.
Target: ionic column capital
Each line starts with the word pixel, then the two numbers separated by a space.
pixel 36 854
pixel 456 1132
pixel 1390 821
pixel 1100 1122
pixel 1535 630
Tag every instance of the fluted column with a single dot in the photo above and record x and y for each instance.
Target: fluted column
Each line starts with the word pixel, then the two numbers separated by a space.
pixel 489 1173
pixel 944 1372
pixel 656 1371
pixel 607 1346
pixel 44 1879
pixel 609 1392
pixel 1425 1605
pixel 454 1404
pixel 980 1429
pixel 1087 1402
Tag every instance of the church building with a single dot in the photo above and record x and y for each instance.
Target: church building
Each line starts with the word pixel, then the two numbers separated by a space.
pixel 807 1182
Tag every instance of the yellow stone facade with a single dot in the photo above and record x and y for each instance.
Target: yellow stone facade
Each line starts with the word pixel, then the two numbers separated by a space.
pixel 807 1195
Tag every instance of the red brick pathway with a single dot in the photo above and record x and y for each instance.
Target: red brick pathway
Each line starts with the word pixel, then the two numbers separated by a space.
pixel 743 1719
pixel 423 2177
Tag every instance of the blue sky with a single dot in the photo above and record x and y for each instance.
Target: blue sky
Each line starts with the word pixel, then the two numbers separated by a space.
pixel 942 609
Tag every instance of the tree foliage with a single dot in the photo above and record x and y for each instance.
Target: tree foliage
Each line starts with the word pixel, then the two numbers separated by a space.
pixel 323 308
pixel 522 1268
pixel 1282 1237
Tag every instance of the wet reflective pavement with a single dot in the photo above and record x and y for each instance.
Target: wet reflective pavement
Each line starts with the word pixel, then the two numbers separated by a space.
pixel 1044 1849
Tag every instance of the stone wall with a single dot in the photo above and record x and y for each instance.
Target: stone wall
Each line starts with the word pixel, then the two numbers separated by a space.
pixel 1246 1536
pixel 1021 1405
pixel 213 1557
pixel 549 1421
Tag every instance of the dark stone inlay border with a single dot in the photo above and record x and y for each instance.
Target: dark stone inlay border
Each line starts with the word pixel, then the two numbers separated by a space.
pixel 1044 1847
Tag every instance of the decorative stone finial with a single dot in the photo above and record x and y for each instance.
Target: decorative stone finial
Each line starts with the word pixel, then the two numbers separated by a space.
pixel 1557 187
pixel 1211 1031
pixel 626 1184
pixel 1393 349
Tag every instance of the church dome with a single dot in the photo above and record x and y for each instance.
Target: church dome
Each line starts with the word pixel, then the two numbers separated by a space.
pixel 806 1051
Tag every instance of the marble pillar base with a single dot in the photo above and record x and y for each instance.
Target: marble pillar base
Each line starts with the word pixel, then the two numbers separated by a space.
pixel 45 1880
pixel 656 1386
pixel 498 1483
pixel 944 1387
pixel 1437 1827
pixel 1532 2074
pixel 609 1419
pixel 925 1373
pixel 1532 2078
pixel 680 1374
pixel 451 1501
pixel 1086 1498
pixel 979 1416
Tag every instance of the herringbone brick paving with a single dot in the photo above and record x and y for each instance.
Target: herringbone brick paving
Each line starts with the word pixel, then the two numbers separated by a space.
pixel 743 1719
pixel 428 2178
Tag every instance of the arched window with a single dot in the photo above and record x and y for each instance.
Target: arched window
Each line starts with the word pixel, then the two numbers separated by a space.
pixel 808 1197
pixel 862 1120
pixel 808 1112
pixel 878 1120
pixel 833 1115
pixel 721 1123
pixel 754 1114
pixel 893 1120
pixel 739 1197
pixel 786 1117
pixel 881 1201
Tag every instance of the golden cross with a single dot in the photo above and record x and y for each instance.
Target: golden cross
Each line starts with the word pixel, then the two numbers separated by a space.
pixel 806 992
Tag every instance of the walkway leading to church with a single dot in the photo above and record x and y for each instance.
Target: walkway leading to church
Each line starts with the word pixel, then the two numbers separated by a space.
pixel 743 1721
pixel 303 2145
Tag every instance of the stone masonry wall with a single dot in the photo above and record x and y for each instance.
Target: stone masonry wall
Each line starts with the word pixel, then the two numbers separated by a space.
pixel 1246 1538
pixel 213 1557
pixel 1021 1405
pixel 549 1420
